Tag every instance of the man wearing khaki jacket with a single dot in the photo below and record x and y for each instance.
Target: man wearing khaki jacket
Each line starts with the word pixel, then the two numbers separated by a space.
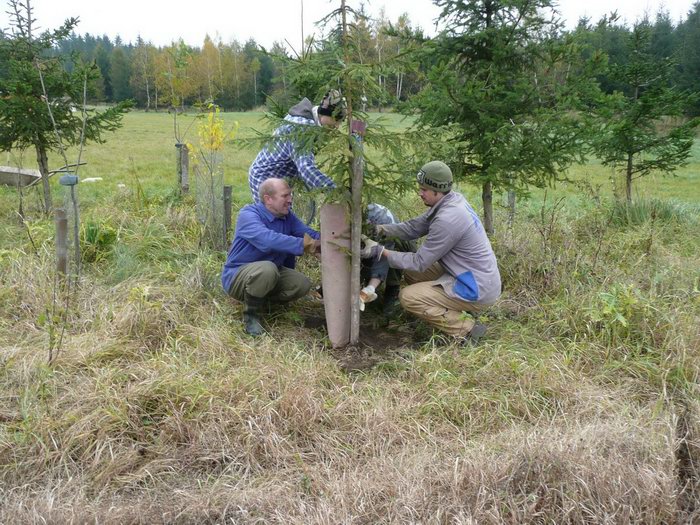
pixel 455 270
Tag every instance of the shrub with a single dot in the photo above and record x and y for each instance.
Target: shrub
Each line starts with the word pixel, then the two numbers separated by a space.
pixel 622 314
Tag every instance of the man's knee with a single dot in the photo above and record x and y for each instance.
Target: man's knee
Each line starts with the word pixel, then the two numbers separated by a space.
pixel 411 277
pixel 301 288
pixel 263 279
pixel 409 297
pixel 293 286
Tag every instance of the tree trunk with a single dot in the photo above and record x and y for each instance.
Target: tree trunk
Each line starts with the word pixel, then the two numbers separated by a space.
pixel 355 130
pixel 148 96
pixel 173 102
pixel 399 78
pixel 302 28
pixel 399 86
pixel 21 201
pixel 43 162
pixel 628 179
pixel 227 214
pixel 355 234
pixel 209 81
pixel 487 199
pixel 630 163
pixel 380 79
pixel 236 79
pixel 221 71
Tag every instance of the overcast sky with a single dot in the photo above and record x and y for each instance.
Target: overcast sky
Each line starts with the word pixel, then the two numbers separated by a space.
pixel 267 21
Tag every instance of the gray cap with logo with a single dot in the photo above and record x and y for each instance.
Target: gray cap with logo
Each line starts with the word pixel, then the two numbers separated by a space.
pixel 436 176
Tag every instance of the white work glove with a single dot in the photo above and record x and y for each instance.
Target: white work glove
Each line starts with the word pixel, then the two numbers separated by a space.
pixel 367 295
pixel 371 249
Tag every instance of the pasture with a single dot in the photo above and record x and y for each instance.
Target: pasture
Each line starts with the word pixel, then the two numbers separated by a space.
pixel 580 406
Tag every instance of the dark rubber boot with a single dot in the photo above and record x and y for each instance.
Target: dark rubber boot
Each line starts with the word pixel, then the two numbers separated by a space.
pixel 252 308
pixel 478 331
pixel 391 300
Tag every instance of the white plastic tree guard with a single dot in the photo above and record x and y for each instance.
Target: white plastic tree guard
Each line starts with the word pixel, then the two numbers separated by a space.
pixel 335 272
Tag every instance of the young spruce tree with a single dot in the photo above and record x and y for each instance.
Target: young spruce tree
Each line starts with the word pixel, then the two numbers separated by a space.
pixel 33 80
pixel 505 85
pixel 337 62
pixel 633 135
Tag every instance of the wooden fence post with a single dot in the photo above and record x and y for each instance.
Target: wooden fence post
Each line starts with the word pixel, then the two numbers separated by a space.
pixel 185 160
pixel 70 181
pixel 183 167
pixel 61 242
pixel 227 213
pixel 178 163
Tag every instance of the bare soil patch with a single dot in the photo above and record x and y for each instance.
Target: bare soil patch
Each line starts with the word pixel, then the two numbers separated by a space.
pixel 381 339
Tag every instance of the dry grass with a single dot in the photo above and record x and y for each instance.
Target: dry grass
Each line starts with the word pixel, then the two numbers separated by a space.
pixel 608 469
pixel 581 407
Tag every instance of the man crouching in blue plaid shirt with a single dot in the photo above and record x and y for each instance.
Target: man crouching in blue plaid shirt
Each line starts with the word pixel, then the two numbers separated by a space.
pixel 284 158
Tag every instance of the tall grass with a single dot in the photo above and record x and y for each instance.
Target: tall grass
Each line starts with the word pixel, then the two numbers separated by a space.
pixel 581 406
pixel 644 210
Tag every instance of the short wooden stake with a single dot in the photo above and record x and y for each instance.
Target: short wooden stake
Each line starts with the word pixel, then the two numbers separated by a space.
pixel 61 242
pixel 183 167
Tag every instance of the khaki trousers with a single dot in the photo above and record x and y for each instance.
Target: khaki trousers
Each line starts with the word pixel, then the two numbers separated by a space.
pixel 264 279
pixel 426 299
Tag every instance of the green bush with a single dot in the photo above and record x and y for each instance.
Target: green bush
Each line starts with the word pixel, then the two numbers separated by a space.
pixel 622 314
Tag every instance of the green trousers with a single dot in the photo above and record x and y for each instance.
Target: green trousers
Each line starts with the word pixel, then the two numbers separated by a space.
pixel 264 279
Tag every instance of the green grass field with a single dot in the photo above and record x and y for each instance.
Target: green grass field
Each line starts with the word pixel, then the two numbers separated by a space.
pixel 144 148
pixel 582 405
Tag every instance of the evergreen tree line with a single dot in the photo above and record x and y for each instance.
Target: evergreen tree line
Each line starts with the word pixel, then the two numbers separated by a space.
pixel 239 76
pixel 678 44
pixel 232 75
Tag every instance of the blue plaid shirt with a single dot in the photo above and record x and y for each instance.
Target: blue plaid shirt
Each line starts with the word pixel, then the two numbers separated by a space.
pixel 282 160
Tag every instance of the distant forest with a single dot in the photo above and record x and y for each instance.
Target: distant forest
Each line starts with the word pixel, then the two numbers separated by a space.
pixel 239 76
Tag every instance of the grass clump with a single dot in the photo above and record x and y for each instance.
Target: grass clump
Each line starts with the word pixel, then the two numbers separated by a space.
pixel 641 211
pixel 97 240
